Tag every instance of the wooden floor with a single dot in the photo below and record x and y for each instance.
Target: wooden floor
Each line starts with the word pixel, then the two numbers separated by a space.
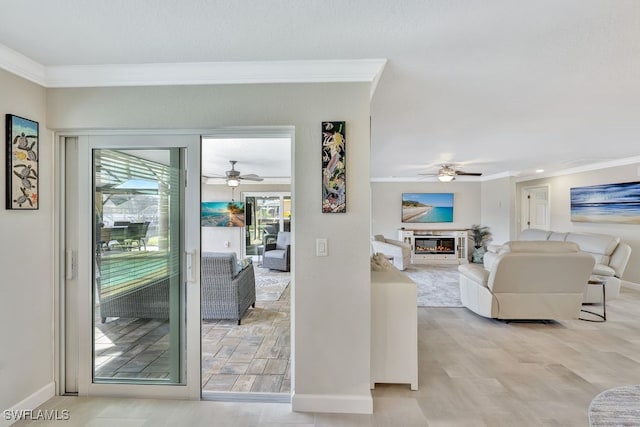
pixel 473 372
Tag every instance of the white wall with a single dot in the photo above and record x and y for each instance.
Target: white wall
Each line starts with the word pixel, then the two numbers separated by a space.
pixel 386 199
pixel 498 208
pixel 561 215
pixel 26 262
pixel 331 309
pixel 213 238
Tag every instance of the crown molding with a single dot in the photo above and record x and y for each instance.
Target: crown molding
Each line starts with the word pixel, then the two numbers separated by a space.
pixel 201 73
pixel 585 168
pixel 195 73
pixel 22 66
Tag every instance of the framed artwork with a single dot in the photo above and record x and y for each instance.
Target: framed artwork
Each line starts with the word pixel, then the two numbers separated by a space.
pixel 334 171
pixel 427 207
pixel 222 214
pixel 614 203
pixel 22 163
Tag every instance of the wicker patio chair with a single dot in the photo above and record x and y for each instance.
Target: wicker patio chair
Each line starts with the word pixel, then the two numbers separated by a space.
pixel 228 289
pixel 277 255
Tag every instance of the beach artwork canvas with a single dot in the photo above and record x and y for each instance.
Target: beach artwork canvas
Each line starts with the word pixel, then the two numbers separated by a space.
pixel 427 207
pixel 613 203
pixel 222 214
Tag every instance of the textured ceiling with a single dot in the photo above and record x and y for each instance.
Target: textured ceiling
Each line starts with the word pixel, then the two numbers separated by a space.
pixel 499 85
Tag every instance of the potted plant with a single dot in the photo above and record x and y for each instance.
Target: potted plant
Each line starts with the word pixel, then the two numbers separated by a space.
pixel 480 235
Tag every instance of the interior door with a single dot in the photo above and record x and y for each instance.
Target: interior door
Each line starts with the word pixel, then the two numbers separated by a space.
pixel 132 235
pixel 535 208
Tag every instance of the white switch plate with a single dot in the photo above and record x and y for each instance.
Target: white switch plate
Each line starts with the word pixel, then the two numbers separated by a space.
pixel 322 247
pixel 227 244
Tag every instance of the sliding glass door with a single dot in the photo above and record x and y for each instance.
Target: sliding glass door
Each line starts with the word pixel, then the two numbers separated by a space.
pixel 138 298
pixel 271 212
pixel 136 265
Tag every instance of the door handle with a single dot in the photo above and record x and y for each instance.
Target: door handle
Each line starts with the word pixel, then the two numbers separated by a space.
pixel 192 266
pixel 70 264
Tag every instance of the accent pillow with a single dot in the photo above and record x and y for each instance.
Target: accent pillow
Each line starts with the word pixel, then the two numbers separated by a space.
pixel 242 264
pixel 379 262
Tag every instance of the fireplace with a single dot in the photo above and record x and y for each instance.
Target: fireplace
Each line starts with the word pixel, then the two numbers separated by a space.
pixel 435 245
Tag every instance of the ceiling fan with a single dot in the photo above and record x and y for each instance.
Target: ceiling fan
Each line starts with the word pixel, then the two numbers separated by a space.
pixel 233 176
pixel 448 173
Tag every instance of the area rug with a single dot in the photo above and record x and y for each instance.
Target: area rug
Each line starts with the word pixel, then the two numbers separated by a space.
pixel 618 406
pixel 437 284
pixel 270 283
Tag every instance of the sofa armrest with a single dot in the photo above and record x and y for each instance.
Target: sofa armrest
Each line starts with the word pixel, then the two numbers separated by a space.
pixel 397 243
pixel 386 248
pixel 620 258
pixel 475 273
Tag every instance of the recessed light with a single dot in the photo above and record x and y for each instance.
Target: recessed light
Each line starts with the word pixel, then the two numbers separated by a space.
pixel 539 170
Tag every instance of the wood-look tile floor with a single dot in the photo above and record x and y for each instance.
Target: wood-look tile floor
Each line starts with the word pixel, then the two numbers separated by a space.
pixel 472 372
pixel 250 357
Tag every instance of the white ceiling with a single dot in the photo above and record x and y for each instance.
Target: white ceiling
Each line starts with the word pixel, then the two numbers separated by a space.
pixel 500 86
pixel 269 158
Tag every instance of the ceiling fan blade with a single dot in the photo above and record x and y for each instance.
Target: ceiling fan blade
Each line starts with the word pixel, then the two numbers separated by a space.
pixel 469 173
pixel 251 177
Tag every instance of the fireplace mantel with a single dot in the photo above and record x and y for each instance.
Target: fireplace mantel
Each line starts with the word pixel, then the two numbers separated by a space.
pixel 436 246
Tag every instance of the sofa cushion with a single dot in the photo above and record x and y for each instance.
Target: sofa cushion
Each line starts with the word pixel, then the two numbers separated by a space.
pixel 534 234
pixel 603 270
pixel 601 246
pixel 539 247
pixel 557 237
pixel 276 253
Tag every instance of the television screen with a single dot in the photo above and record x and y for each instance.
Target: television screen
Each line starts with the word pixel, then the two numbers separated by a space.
pixel 222 214
pixel 427 207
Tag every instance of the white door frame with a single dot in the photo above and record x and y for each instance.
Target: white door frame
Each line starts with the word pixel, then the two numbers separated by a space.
pixel 193 389
pixel 83 273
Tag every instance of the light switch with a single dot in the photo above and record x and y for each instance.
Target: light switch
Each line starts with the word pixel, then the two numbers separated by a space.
pixel 322 247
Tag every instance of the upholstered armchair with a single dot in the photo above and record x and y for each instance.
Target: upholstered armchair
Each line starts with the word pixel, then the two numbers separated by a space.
pixel 399 252
pixel 228 286
pixel 277 256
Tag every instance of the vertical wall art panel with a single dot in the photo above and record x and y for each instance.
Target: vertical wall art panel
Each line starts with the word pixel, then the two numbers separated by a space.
pixel 334 162
pixel 616 203
pixel 22 163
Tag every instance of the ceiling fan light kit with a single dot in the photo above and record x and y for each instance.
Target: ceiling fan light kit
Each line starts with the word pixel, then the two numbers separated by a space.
pixel 233 177
pixel 448 173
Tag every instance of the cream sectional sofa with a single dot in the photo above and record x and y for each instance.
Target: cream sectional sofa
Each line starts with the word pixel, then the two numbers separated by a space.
pixel 611 257
pixel 528 280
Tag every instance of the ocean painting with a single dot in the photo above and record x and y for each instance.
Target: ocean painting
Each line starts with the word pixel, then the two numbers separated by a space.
pixel 222 214
pixel 427 207
pixel 614 203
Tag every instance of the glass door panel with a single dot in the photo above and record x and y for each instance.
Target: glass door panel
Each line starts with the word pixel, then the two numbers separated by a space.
pixel 138 296
pixel 271 213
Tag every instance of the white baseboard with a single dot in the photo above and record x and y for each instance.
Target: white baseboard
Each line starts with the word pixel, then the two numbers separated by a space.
pixel 631 285
pixel 30 402
pixel 335 403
